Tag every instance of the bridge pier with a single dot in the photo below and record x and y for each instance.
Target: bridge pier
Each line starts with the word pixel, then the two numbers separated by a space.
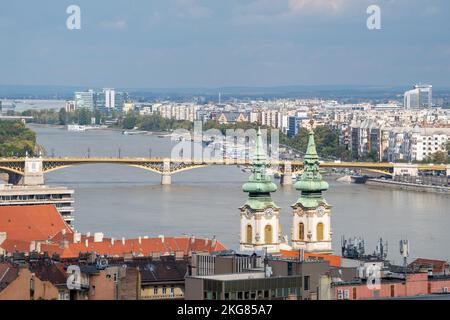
pixel 405 169
pixel 286 176
pixel 33 172
pixel 166 177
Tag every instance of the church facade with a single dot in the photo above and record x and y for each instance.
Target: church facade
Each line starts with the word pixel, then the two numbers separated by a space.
pixel 260 227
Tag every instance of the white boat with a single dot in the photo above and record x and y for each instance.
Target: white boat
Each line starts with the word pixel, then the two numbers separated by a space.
pixel 76 127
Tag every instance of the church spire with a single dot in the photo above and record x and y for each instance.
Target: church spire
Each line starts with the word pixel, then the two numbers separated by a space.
pixel 259 216
pixel 310 182
pixel 259 182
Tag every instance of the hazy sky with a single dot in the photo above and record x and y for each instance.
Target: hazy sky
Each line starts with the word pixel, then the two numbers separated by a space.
pixel 212 43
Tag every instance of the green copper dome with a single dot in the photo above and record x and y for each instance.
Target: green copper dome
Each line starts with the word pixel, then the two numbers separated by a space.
pixel 259 185
pixel 310 182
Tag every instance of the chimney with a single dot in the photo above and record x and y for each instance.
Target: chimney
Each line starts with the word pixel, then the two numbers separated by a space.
pixel 76 237
pixel 63 231
pixel 98 237
pixel 193 239
pixel 2 237
pixel 32 245
pixel 64 244
pixel 214 241
pixel 123 240
pixel 88 234
pixel 112 241
pixel 145 237
pixel 86 243
pixel 161 236
pixel 140 240
pixel 301 255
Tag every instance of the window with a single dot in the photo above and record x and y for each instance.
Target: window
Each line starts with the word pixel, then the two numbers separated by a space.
pixel 319 231
pixel 268 234
pixel 346 294
pixel 354 294
pixel 392 291
pixel 164 290
pixel 301 231
pixel 306 283
pixel 155 290
pixel 93 291
pixel 249 234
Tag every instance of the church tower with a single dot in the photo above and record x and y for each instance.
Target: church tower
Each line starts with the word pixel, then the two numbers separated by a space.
pixel 260 227
pixel 311 229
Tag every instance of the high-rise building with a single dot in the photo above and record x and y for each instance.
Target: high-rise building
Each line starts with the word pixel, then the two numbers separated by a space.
pixel 85 99
pixel 260 216
pixel 110 98
pixel 293 126
pixel 61 197
pixel 311 228
pixel 419 97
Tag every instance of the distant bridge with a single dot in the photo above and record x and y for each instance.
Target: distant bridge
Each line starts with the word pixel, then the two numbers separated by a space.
pixel 30 171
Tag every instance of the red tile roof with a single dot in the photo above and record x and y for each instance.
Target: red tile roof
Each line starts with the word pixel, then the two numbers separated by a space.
pixel 24 224
pixel 334 260
pixel 28 223
pixel 146 247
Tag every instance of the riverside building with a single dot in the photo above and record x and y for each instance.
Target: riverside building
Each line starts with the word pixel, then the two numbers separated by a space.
pixel 61 197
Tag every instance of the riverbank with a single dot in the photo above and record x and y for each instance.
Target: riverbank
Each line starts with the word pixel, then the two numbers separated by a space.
pixel 408 186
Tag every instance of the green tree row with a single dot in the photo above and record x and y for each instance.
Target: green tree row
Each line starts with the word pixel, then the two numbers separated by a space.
pixel 16 139
pixel 62 117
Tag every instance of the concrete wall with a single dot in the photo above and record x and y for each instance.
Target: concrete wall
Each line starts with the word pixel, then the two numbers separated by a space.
pixel 194 289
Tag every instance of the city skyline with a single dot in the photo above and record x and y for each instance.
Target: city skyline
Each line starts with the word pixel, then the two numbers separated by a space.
pixel 189 44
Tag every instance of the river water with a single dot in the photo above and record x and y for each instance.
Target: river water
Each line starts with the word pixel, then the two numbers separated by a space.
pixel 122 201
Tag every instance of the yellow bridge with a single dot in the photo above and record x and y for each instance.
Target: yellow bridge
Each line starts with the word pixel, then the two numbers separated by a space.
pixel 31 170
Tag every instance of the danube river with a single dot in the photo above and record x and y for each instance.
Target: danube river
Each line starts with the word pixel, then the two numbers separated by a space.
pixel 121 201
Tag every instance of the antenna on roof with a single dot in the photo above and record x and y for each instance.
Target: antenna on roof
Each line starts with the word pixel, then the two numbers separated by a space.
pixel 404 251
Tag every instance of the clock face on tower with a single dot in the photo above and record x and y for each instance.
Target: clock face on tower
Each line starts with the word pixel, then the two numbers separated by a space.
pixel 321 211
pixel 248 212
pixel 269 212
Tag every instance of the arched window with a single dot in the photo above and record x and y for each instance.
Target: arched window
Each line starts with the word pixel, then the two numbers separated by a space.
pixel 268 234
pixel 301 231
pixel 249 234
pixel 320 231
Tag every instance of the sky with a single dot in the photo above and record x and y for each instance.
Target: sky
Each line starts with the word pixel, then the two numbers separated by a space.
pixel 223 43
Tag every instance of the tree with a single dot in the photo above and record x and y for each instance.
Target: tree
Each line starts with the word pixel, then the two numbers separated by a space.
pixel 16 139
pixel 130 121
pixel 62 116
pixel 84 117
pixel 439 157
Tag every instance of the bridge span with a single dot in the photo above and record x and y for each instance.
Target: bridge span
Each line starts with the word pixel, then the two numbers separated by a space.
pixel 30 171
